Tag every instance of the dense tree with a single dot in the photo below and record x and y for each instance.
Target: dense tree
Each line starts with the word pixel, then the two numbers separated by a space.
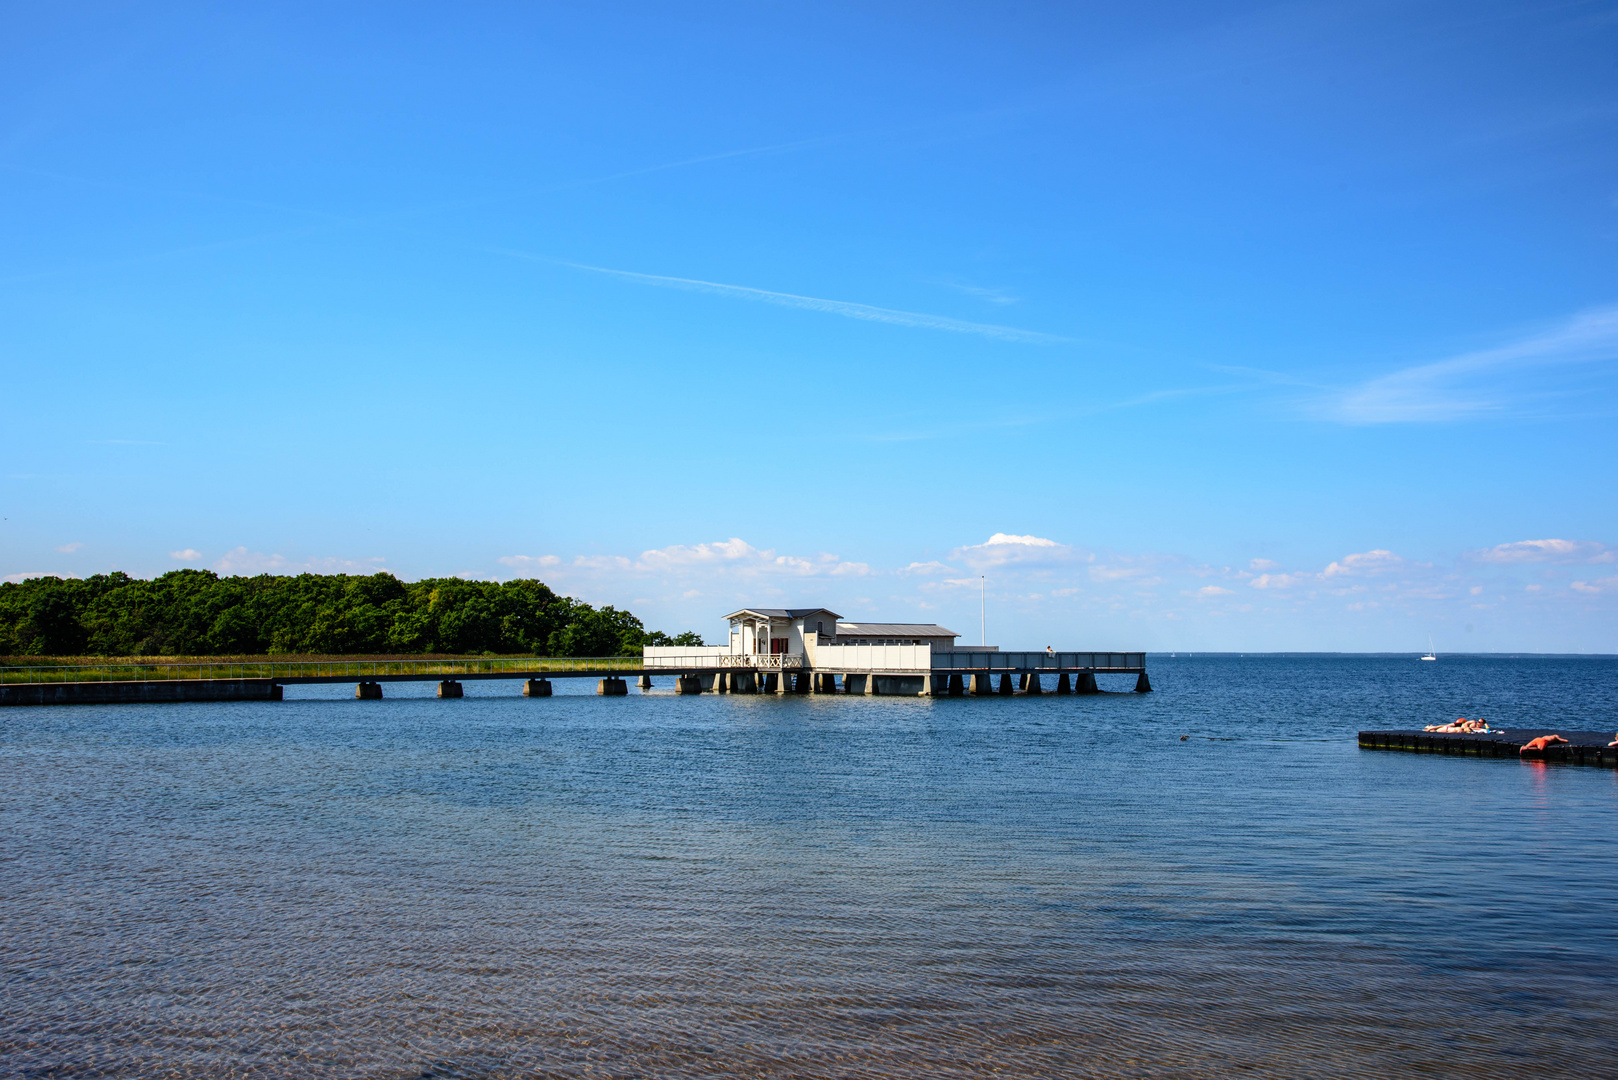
pixel 199 613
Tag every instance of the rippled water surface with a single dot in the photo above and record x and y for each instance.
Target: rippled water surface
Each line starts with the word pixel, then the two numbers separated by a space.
pixel 816 886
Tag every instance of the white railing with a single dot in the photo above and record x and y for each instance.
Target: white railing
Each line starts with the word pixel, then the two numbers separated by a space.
pixel 711 657
pixel 966 659
pixel 885 658
pixel 874 657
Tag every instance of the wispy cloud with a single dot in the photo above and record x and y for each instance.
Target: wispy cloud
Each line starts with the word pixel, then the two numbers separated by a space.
pixel 68 549
pixel 185 555
pixel 735 558
pixel 848 309
pixel 1547 551
pixel 1469 385
pixel 242 561
pixel 529 562
pixel 991 295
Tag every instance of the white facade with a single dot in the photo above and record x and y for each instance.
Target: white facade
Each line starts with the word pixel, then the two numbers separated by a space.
pixel 811 638
pixel 778 631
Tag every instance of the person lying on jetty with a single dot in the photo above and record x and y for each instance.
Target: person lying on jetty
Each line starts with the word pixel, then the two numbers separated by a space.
pixel 1544 742
pixel 1463 726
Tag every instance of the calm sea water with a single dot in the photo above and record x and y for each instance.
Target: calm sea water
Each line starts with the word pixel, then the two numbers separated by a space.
pixel 814 886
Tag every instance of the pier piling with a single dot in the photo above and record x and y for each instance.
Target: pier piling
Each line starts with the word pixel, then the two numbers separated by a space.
pixel 450 688
pixel 538 688
pixel 612 688
pixel 368 691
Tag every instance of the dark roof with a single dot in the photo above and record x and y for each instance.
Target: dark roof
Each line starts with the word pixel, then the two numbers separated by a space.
pixel 893 629
pixel 782 613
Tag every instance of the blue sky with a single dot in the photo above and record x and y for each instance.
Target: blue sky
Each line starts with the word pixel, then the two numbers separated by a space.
pixel 1185 326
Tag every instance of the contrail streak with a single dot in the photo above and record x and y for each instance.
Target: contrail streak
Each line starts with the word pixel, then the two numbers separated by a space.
pixel 846 308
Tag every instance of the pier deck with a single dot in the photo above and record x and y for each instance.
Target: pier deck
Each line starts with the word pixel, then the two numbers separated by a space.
pixel 1583 747
pixel 947 674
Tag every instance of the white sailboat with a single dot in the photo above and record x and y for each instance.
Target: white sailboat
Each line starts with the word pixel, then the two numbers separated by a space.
pixel 1431 655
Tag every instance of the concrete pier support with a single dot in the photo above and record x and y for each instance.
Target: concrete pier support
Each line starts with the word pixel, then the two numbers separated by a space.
pixel 612 687
pixel 772 683
pixel 1031 684
pixel 957 685
pixel 1086 683
pixel 450 688
pixel 536 688
pixel 743 682
pixel 644 682
pixel 1064 685
pixel 1005 685
pixel 871 688
pixel 721 682
pixel 982 685
pixel 1143 685
pixel 688 684
pixel 368 691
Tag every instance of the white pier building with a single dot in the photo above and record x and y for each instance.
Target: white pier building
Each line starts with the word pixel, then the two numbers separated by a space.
pixel 811 650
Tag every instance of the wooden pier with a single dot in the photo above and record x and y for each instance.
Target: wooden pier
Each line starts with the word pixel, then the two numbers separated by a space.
pixel 957 674
pixel 1581 748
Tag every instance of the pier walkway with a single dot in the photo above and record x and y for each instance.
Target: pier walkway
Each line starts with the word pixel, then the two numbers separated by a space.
pixel 892 670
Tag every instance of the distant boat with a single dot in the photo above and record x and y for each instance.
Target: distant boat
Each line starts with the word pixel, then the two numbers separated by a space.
pixel 1431 655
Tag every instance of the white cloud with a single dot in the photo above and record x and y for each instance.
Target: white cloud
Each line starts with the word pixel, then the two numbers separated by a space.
pixel 1460 386
pixel 1365 562
pixel 603 562
pixel 68 549
pixel 1022 541
pixel 1262 565
pixel 528 562
pixel 241 561
pixel 186 555
pixel 1117 573
pixel 1554 551
pixel 29 574
pixel 737 556
pixel 1279 581
pixel 927 569
pixel 1002 549
pixel 1214 590
pixel 734 550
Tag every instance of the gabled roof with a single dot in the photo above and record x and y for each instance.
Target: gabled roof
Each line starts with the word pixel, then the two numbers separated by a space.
pixel 783 613
pixel 893 629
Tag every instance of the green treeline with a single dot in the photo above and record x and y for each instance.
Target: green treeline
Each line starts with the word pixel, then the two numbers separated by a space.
pixel 199 613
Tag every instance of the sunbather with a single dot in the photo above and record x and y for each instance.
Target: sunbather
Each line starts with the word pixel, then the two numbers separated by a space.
pixel 1463 726
pixel 1544 742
